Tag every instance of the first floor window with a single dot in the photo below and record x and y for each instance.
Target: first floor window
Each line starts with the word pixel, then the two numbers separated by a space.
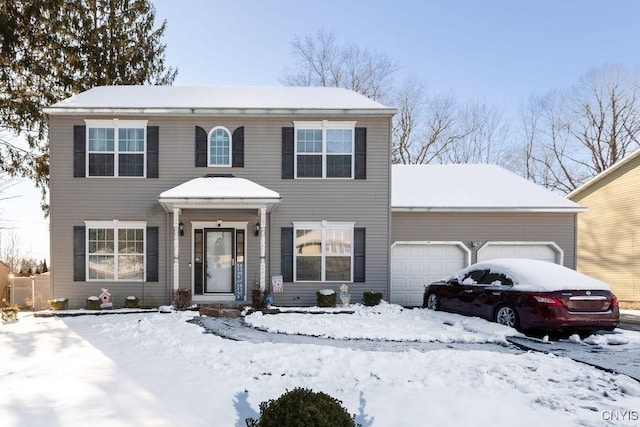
pixel 116 250
pixel 323 252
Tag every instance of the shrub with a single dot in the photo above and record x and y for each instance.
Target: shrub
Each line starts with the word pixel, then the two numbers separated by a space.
pixel 326 298
pixel 59 304
pixel 258 299
pixel 303 407
pixel 131 302
pixel 93 303
pixel 182 299
pixel 371 298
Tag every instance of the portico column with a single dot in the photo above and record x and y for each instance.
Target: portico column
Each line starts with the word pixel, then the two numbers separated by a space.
pixel 263 266
pixel 176 249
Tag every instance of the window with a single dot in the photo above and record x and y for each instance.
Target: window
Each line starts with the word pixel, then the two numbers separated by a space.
pixel 324 149
pixel 323 252
pixel 116 147
pixel 116 250
pixel 219 147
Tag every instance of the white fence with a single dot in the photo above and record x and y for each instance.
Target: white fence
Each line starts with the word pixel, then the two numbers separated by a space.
pixel 31 292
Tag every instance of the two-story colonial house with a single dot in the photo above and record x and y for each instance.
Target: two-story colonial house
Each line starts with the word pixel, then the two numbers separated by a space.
pixel 217 190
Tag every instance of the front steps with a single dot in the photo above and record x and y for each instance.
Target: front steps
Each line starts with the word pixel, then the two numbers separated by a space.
pixel 222 309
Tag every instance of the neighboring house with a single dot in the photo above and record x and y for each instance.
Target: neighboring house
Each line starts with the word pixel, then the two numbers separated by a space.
pixel 216 190
pixel 445 217
pixel 609 232
pixel 4 283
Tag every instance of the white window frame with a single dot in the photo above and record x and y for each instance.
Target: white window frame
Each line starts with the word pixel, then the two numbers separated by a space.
pixel 324 126
pixel 115 124
pixel 323 226
pixel 209 164
pixel 116 225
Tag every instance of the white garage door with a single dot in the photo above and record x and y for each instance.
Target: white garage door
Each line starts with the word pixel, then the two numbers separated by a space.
pixel 414 265
pixel 543 251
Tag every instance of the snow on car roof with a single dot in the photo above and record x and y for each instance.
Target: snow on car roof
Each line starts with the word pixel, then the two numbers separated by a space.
pixel 538 276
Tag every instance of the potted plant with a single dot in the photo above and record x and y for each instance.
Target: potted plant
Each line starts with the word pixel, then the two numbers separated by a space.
pixel 345 296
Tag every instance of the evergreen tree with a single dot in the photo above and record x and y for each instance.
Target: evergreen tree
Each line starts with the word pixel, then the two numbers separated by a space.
pixel 52 49
pixel 43 267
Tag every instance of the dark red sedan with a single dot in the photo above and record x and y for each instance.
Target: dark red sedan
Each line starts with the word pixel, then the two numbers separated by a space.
pixel 527 295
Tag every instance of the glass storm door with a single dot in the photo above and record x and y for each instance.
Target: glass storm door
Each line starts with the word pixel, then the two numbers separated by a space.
pixel 219 260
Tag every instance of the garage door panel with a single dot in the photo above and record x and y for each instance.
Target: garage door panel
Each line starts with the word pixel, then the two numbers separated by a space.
pixel 538 251
pixel 415 265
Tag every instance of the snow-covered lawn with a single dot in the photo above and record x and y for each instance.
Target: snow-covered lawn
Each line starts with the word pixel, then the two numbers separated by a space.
pixel 155 369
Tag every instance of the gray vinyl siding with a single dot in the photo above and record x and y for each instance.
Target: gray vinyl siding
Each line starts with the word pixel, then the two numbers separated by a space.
pixel 75 200
pixel 482 227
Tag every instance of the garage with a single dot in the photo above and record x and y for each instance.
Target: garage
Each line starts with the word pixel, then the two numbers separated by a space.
pixel 543 251
pixel 415 264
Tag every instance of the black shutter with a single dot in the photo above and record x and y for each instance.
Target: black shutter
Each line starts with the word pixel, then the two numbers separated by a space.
pixel 79 151
pixel 288 153
pixel 79 256
pixel 287 254
pixel 361 153
pixel 152 254
pixel 359 238
pixel 237 161
pixel 201 147
pixel 152 151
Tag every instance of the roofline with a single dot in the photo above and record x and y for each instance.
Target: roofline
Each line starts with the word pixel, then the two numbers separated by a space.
pixel 255 112
pixel 487 209
pixel 604 173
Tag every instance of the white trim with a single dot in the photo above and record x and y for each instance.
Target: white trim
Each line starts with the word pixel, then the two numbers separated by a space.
pixel 209 165
pixel 115 124
pixel 458 243
pixel 488 210
pixel 553 245
pixel 322 226
pixel 116 225
pixel 324 126
pixel 228 112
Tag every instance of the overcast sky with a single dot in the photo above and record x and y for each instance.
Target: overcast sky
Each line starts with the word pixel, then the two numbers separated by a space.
pixel 499 51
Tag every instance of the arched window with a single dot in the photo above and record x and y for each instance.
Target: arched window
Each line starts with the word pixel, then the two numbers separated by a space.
pixel 219 147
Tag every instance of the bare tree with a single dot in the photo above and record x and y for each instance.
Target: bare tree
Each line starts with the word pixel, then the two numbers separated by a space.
pixel 321 61
pixel 12 253
pixel 570 136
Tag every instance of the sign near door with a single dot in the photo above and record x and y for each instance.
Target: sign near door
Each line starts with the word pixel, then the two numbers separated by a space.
pixel 240 285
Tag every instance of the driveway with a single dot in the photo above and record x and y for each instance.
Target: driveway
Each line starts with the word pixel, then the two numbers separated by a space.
pixel 625 361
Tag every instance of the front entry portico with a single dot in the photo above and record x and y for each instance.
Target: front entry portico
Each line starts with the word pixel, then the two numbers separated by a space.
pixel 219 247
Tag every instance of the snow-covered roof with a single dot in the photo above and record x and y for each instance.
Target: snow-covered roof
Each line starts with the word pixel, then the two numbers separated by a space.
pixel 541 276
pixel 470 188
pixel 604 174
pixel 211 190
pixel 218 100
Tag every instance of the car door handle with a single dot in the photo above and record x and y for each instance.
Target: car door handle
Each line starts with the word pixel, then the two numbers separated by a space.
pixel 468 291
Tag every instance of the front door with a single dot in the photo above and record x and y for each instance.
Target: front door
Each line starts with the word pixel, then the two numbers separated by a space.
pixel 219 260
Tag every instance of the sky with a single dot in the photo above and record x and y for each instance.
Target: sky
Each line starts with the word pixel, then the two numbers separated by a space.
pixel 496 51
pixel 155 369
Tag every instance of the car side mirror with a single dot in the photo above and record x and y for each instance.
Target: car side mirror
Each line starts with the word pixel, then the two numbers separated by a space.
pixel 454 282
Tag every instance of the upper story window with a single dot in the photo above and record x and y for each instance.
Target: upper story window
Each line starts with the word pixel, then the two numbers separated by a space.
pixel 323 252
pixel 219 149
pixel 116 147
pixel 324 149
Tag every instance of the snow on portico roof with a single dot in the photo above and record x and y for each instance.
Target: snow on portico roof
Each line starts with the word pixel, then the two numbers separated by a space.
pixel 470 188
pixel 217 99
pixel 218 190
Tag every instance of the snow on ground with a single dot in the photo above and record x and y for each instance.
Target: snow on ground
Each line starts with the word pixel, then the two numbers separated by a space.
pixel 386 321
pixel 155 369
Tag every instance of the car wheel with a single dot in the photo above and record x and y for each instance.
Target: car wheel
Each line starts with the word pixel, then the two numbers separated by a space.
pixel 433 302
pixel 508 316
